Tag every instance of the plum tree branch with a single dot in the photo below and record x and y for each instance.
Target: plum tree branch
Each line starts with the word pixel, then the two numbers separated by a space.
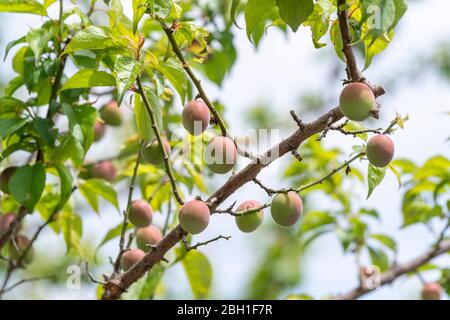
pixel 189 247
pixel 160 142
pixel 126 212
pixel 399 270
pixel 352 66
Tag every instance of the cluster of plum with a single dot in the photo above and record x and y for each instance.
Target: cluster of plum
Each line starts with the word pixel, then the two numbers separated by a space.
pixel 357 102
pixel 147 235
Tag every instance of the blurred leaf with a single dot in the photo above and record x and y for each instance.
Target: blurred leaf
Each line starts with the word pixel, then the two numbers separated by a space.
pixel 66 181
pixel 27 184
pixel 385 240
pixel 315 219
pixel 113 233
pixel 379 258
pixel 199 273
pixel 374 177
pixel 93 188
pixel 9 126
pixel 89 78
pixel 22 6
pixel 72 229
pixel 37 40
pixel 174 72
pixel 139 7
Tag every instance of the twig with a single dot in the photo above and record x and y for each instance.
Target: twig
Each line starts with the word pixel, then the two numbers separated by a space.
pixel 176 49
pixel 241 213
pixel 327 128
pixel 90 275
pixel 270 192
pixel 188 247
pixel 18 283
pixel 161 146
pixel 127 210
pixel 166 222
pixel 399 270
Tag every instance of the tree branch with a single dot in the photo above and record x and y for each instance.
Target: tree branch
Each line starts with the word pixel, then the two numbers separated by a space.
pixel 399 270
pixel 188 247
pixel 127 210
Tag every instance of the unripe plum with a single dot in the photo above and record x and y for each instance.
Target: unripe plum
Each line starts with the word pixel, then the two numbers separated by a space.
pixel 250 221
pixel 431 291
pixel 99 130
pixel 150 235
pixel 4 178
pixel 195 117
pixel 18 247
pixel 5 221
pixel 110 114
pixel 104 170
pixel 194 216
pixel 380 150
pixel 152 153
pixel 220 154
pixel 286 208
pixel 130 258
pixel 141 213
pixel 356 101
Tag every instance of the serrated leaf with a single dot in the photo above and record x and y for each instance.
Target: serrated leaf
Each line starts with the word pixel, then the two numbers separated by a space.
pixel 91 38
pixel 89 78
pixel 27 184
pixel 374 177
pixel 295 12
pixel 126 70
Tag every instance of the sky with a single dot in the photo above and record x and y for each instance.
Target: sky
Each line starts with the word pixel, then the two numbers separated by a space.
pixel 277 73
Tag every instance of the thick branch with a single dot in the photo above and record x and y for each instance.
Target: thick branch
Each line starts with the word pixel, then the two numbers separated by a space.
pixel 116 286
pixel 352 67
pixel 399 270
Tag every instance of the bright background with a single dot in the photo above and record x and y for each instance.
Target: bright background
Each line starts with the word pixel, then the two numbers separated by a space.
pixel 283 69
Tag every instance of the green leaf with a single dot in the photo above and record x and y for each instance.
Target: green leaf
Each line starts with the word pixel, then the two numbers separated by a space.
pixel 91 38
pixel 13 43
pixel 336 39
pixel 10 125
pixel 316 219
pixel 93 188
pixel 143 122
pixel 374 177
pixel 199 273
pixel 72 229
pixel 174 72
pixel 385 240
pixel 126 70
pixel 46 131
pixel 154 277
pixel 66 181
pixel 295 12
pixel 11 105
pixel 89 78
pixel 353 126
pixel 374 44
pixel 138 12
pixel 70 148
pixel 37 40
pixel 113 233
pixel 27 184
pixel 81 123
pixel 233 11
pixel 379 258
pixel 22 6
pixel 383 15
pixel 256 12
